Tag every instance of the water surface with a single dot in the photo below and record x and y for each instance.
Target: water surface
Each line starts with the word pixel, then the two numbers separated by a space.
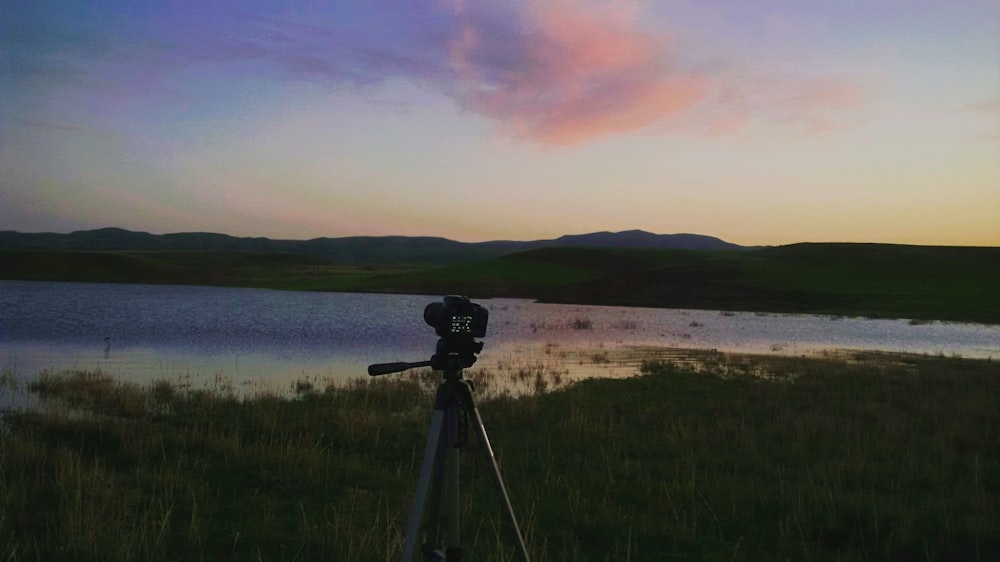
pixel 270 338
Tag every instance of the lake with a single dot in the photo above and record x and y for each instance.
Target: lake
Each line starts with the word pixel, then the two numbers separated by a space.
pixel 270 339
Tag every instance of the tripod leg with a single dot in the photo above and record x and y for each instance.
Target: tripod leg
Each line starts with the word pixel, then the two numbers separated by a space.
pixel 453 505
pixel 443 521
pixel 426 470
pixel 495 472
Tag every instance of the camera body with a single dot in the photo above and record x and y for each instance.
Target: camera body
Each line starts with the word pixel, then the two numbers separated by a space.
pixel 457 317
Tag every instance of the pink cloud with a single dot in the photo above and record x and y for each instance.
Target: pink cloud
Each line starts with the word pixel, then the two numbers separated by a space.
pixel 563 72
pixel 989 105
pixel 828 92
pixel 548 71
pixel 819 105
pixel 790 102
pixel 726 125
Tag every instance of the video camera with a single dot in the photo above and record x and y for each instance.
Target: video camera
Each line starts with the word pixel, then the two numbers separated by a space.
pixel 457 316
pixel 457 322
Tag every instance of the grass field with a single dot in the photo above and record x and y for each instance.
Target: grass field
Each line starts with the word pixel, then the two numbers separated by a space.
pixel 231 269
pixel 861 457
pixel 920 282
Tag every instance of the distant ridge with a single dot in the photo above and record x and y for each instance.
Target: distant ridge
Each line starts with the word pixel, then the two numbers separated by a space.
pixel 643 239
pixel 361 250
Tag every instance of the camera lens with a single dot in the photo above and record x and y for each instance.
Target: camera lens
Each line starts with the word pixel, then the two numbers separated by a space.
pixel 432 314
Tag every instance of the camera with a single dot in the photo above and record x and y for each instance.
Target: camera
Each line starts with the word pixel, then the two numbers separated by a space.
pixel 457 316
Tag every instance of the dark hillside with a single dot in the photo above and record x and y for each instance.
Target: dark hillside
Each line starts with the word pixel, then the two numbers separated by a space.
pixel 950 281
pixel 643 239
pixel 861 279
pixel 352 250
pixel 713 280
pixel 610 262
pixel 925 283
pixel 175 268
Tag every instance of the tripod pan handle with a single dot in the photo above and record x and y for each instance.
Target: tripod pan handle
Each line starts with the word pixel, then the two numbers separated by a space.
pixel 386 368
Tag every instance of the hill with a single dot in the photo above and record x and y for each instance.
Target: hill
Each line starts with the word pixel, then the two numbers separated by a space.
pixel 877 280
pixel 354 250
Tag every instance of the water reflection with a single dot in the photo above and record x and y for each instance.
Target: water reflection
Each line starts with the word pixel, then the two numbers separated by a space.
pixel 270 339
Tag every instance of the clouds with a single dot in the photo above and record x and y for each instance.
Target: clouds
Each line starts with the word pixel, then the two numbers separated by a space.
pixel 985 106
pixel 557 72
pixel 389 112
pixel 564 72
pixel 357 50
pixel 793 102
pixel 570 71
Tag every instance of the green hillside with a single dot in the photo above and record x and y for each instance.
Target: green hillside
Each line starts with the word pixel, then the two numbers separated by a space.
pixel 920 282
pixel 230 269
pixel 850 279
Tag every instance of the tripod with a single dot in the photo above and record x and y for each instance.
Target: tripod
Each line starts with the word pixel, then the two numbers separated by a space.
pixel 454 408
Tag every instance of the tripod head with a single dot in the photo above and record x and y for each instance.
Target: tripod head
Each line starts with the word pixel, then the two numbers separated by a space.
pixel 458 321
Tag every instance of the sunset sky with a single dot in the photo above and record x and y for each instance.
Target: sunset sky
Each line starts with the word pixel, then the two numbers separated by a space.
pixel 764 122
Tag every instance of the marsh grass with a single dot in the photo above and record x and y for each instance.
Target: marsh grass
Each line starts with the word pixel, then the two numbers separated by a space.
pixel 859 457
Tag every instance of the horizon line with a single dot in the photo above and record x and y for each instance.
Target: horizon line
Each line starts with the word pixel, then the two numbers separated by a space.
pixel 611 232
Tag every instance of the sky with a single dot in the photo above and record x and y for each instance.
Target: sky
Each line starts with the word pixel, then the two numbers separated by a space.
pixel 762 123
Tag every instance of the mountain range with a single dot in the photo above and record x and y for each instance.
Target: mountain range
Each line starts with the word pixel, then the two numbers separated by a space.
pixel 359 250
